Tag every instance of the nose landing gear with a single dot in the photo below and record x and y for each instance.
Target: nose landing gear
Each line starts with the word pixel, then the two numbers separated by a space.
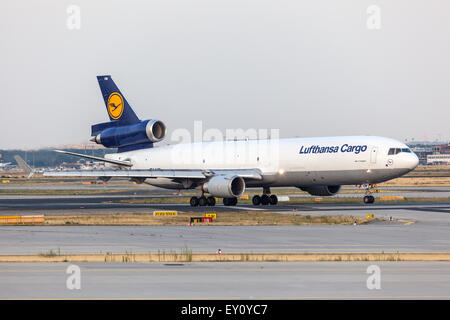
pixel 369 198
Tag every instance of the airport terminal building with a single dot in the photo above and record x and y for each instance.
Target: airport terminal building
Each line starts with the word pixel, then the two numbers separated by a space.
pixel 441 154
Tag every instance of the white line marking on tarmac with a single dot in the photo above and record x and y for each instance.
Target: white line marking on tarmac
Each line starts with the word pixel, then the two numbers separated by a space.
pixel 247 208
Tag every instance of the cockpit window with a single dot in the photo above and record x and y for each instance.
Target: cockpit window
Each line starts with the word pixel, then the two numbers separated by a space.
pixel 393 151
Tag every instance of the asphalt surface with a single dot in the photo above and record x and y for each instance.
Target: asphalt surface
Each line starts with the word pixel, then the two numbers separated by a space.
pixel 425 235
pixel 69 204
pixel 416 227
pixel 263 280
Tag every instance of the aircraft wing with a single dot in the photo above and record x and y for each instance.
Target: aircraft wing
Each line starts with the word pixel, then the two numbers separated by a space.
pixel 156 173
pixel 127 173
pixel 150 173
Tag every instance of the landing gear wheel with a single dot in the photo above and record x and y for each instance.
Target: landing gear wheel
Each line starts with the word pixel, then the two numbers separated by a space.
pixel 211 201
pixel 202 201
pixel 194 201
pixel 229 201
pixel 273 199
pixel 369 199
pixel 256 200
pixel 265 199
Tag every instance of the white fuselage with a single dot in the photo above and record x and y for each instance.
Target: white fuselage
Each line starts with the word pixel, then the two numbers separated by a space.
pixel 284 162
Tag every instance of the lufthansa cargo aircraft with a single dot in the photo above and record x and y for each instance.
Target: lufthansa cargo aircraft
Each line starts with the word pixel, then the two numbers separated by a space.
pixel 223 169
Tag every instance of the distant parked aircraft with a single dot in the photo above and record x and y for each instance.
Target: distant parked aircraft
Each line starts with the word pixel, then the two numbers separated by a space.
pixel 4 165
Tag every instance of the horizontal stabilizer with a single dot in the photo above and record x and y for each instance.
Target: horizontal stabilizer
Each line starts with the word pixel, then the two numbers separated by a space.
pixel 118 162
pixel 99 127
pixel 23 165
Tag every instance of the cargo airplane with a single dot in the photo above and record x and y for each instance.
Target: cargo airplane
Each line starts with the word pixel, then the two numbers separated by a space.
pixel 318 166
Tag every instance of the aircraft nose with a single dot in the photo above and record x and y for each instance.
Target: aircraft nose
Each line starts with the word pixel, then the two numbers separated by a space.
pixel 413 161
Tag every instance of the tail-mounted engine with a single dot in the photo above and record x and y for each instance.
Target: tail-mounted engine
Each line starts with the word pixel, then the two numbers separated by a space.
pixel 113 135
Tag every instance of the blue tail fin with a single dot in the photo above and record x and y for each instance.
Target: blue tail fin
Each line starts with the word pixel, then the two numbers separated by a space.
pixel 116 105
pixel 124 131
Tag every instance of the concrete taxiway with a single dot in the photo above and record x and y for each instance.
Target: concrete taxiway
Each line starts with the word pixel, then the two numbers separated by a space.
pixel 376 237
pixel 262 280
pixel 416 227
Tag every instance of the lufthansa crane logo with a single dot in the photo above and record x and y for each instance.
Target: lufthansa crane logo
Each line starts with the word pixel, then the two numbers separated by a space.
pixel 115 105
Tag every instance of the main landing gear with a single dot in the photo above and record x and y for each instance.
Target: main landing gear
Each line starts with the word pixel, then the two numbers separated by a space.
pixel 265 199
pixel 203 201
pixel 211 201
pixel 230 201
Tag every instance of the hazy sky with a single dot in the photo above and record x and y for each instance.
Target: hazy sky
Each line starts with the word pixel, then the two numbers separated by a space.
pixel 309 68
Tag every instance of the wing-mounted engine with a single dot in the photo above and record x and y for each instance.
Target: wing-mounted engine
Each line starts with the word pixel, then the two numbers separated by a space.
pixel 225 186
pixel 117 135
pixel 321 190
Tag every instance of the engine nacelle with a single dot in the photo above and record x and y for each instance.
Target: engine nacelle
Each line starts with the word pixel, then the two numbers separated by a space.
pixel 147 131
pixel 225 186
pixel 321 190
